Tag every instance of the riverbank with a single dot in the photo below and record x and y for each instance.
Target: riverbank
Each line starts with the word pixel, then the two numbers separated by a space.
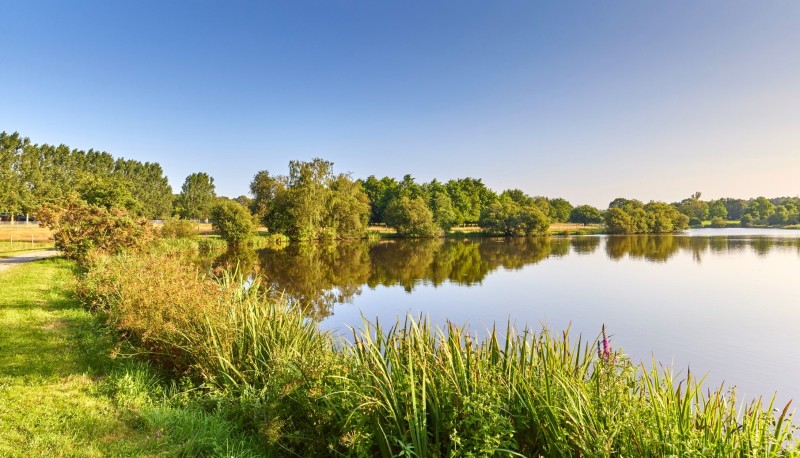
pixel 412 389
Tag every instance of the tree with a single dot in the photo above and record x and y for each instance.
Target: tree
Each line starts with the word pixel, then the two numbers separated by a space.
pixel 694 208
pixel 716 209
pixel 585 214
pixel 265 190
pixel 109 192
pixel 469 197
pixel 411 218
pixel 663 218
pixel 618 221
pixel 380 193
pixel 735 207
pixel 311 202
pixel 760 209
pixel 780 217
pixel 348 208
pixel 148 186
pixel 510 218
pixel 444 214
pixel 308 188
pixel 10 184
pixel 560 210
pixel 233 222
pixel 197 195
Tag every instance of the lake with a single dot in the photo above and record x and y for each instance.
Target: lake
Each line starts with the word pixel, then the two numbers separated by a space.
pixel 718 301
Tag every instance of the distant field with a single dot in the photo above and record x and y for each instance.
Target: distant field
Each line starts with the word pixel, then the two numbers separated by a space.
pixel 559 227
pixel 24 233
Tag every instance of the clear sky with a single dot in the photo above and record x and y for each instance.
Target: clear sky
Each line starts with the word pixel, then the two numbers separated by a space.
pixel 584 100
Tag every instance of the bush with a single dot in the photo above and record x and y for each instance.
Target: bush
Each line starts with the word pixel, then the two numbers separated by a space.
pixel 80 228
pixel 233 222
pixel 179 228
pixel 718 222
pixel 412 218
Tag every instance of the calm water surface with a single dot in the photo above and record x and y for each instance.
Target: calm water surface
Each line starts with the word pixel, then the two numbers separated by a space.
pixel 723 302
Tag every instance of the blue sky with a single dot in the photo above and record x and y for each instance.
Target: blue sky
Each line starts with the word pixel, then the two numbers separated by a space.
pixel 584 100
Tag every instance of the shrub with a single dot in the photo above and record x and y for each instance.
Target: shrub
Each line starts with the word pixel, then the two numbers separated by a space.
pixel 79 228
pixel 233 222
pixel 179 228
pixel 718 222
pixel 155 300
pixel 412 218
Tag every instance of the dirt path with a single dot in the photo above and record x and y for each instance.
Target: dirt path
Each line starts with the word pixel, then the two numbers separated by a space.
pixel 28 256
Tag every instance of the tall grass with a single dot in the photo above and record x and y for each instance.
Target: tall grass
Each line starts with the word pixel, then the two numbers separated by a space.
pixel 416 390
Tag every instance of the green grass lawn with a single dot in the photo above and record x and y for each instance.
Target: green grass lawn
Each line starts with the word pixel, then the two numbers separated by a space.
pixel 61 395
pixel 52 362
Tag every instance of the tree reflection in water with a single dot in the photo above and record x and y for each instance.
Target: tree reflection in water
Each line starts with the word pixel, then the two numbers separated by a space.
pixel 321 275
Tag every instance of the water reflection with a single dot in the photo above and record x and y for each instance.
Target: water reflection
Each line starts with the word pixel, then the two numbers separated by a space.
pixel 320 276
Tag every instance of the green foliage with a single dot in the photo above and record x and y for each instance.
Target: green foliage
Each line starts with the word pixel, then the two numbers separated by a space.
pixel 311 203
pixel 32 175
pixel 585 214
pixel 718 221
pixel 412 218
pixel 179 228
pixel 632 217
pixel 694 208
pixel 759 210
pixel 510 218
pixel 618 221
pixel 79 228
pixel 428 392
pixel 470 197
pixel 196 197
pixel 233 222
pixel 560 210
pixel 717 209
pixel 109 193
pixel 347 208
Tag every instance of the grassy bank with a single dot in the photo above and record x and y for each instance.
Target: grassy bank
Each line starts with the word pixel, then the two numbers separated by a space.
pixel 61 394
pixel 411 390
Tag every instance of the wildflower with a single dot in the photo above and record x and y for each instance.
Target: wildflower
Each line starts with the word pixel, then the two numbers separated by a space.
pixel 604 347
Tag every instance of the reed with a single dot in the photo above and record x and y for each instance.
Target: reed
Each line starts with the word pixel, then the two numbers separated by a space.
pixel 416 390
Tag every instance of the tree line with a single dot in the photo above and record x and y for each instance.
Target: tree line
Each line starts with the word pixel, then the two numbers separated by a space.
pixel 312 201
pixel 33 175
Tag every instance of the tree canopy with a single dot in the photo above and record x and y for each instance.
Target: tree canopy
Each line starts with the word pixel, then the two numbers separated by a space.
pixel 32 175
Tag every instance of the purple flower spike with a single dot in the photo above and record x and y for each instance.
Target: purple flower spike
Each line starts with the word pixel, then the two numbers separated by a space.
pixel 604 353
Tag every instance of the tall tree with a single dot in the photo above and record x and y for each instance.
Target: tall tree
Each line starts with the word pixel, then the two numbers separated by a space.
pixel 197 195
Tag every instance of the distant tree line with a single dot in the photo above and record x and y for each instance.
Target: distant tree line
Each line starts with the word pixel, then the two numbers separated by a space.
pixel 33 175
pixel 779 211
pixel 313 202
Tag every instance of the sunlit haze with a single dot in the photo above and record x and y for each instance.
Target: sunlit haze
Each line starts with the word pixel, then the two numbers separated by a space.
pixel 583 100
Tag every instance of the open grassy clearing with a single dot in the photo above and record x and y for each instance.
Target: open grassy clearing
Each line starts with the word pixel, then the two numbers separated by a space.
pixel 62 395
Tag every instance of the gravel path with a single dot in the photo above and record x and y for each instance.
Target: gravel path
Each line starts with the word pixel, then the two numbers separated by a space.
pixel 28 256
